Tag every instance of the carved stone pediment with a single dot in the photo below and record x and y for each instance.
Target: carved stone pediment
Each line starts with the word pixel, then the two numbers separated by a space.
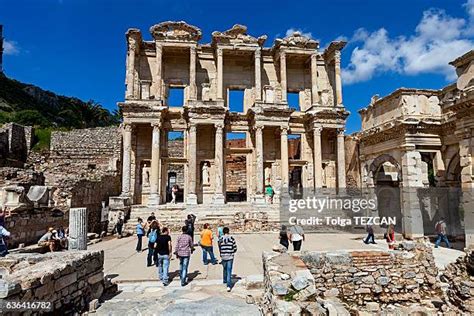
pixel 174 30
pixel 237 35
pixel 297 40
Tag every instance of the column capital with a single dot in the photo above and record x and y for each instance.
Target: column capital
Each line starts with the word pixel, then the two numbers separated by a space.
pixel 220 52
pixel 192 127
pixel 127 127
pixel 258 53
pixel 156 125
pixel 192 49
pixel 282 54
pixel 219 126
pixel 340 132
pixel 318 130
pixel 258 127
pixel 284 130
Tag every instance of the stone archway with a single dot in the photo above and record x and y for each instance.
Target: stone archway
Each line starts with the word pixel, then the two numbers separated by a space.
pixel 384 163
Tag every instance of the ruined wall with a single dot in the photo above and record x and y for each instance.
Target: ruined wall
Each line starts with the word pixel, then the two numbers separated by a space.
pixel 359 279
pixel 68 280
pixel 15 143
pixel 27 227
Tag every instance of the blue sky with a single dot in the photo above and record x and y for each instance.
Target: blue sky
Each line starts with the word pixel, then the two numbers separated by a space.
pixel 77 48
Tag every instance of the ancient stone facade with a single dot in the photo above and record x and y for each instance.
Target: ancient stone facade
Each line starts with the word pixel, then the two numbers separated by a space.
pixel 206 75
pixel 417 140
pixel 15 143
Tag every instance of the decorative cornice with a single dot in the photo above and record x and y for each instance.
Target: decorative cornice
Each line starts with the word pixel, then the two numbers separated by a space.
pixel 176 30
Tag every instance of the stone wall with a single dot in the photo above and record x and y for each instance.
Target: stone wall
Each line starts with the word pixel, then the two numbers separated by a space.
pixel 353 179
pixel 236 173
pixel 355 280
pixel 27 227
pixel 69 280
pixel 459 276
pixel 15 143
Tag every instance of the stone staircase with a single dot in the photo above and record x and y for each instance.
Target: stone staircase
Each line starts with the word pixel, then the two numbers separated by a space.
pixel 173 215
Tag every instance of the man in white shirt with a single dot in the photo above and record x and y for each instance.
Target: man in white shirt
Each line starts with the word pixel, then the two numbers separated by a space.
pixel 3 244
pixel 440 229
pixel 296 236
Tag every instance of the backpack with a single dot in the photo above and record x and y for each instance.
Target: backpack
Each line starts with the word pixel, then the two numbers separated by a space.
pixel 152 236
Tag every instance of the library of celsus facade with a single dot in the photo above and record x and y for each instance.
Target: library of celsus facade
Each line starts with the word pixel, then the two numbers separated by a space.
pixel 179 92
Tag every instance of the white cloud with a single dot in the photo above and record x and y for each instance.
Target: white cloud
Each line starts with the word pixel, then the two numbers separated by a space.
pixel 10 48
pixel 292 30
pixel 437 40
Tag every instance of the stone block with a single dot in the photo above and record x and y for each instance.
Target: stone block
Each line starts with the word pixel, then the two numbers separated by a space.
pixel 65 281
pixel 284 308
pixel 98 277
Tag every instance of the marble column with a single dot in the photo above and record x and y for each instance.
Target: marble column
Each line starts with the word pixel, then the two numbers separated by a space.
pixel 192 73
pixel 155 166
pixel 318 164
pixel 130 79
pixel 126 163
pixel 341 161
pixel 284 159
pixel 159 66
pixel 337 69
pixel 219 164
pixel 314 79
pixel 220 74
pixel 192 163
pixel 284 87
pixel 258 75
pixel 259 194
pixel 77 228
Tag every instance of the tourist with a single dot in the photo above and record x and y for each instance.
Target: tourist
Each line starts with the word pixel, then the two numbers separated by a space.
pixel 119 225
pixel 152 235
pixel 3 215
pixel 184 248
pixel 370 235
pixel 284 237
pixel 390 236
pixel 220 228
pixel 163 250
pixel 50 240
pixel 63 241
pixel 140 232
pixel 227 249
pixel 269 193
pixel 174 191
pixel 189 222
pixel 296 236
pixel 206 245
pixel 151 218
pixel 440 229
pixel 3 243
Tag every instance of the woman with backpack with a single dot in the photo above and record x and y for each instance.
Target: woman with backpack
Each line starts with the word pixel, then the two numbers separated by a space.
pixel 152 235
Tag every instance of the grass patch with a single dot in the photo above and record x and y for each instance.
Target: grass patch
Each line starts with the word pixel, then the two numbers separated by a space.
pixel 42 139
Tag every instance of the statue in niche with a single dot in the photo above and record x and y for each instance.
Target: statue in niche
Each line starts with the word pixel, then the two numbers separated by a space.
pixel 146 176
pixel 268 175
pixel 205 173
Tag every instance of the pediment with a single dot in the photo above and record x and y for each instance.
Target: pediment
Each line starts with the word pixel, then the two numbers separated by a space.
pixel 297 40
pixel 237 35
pixel 176 30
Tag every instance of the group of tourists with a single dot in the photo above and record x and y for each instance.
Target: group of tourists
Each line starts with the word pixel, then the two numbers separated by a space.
pixel 293 235
pixel 54 239
pixel 160 248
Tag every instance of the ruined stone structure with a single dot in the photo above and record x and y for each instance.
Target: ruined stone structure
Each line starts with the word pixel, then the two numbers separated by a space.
pixel 206 75
pixel 418 139
pixel 15 143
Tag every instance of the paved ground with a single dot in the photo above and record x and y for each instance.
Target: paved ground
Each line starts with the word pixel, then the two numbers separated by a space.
pixel 126 264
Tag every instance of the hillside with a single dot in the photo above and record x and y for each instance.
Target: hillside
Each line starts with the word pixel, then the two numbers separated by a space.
pixel 30 105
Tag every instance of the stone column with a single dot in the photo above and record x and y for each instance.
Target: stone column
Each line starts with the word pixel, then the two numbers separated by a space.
pixel 192 73
pixel 220 74
pixel 126 163
pixel 258 75
pixel 155 166
pixel 283 85
pixel 284 158
pixel 318 164
pixel 77 228
pixel 314 79
pixel 159 64
pixel 337 69
pixel 341 161
pixel 130 79
pixel 412 222
pixel 192 161
pixel 466 152
pixel 259 195
pixel 219 164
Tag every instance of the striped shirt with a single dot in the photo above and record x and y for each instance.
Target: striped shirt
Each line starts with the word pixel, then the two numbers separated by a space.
pixel 227 247
pixel 184 245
